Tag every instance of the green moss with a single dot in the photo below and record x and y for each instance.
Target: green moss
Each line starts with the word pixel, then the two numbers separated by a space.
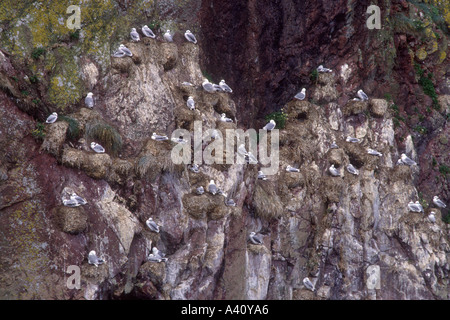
pixel 105 135
pixel 39 133
pixel 314 75
pixel 73 131
pixel 444 170
pixel 36 53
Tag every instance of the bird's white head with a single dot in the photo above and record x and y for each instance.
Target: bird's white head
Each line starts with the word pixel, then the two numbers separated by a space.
pixel 223 115
pixel 168 31
pixel 435 198
pixel 54 113
pixel 252 234
pixel 90 94
pixel 93 144
pixel 92 253
pixel 303 90
pixel 190 97
pixel 145 26
pixel 188 31
pixel 403 156
pixel 211 182
pixel 121 46
pixel 272 121
pixel 133 29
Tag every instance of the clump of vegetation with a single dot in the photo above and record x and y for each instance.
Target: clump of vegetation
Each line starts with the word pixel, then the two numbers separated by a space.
pixel 73 131
pixel 434 162
pixel 446 218
pixel 427 85
pixel 397 118
pixel 313 76
pixel 75 35
pixel 421 129
pixel 443 169
pixel 279 117
pixel 205 74
pixel 388 97
pixel 37 52
pixel 105 135
pixel 36 101
pixel 25 93
pixel 39 133
pixel 34 79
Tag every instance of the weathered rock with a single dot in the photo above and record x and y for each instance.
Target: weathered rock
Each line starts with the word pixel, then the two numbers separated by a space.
pixel 71 220
pixel 55 137
pixel 378 107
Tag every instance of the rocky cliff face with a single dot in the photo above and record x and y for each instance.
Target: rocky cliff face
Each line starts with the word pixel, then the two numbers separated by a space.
pixel 334 230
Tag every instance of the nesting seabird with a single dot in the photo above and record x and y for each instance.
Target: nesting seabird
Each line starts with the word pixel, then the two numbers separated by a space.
pixel 188 84
pixel 225 87
pixel 333 171
pixel 208 86
pixel 308 284
pixel 190 36
pixel 148 32
pixel 270 126
pixel 200 190
pixel 212 188
pixel 351 139
pixel 255 239
pixel 323 70
pixel 134 35
pixel 334 145
pixel 93 259
pixel 241 149
pixel 168 36
pixel 215 134
pixel 158 137
pixel 151 257
pixel 439 202
pixel 373 152
pixel 352 169
pixel 78 199
pixel 89 100
pixel 292 169
pixel 52 118
pixel 415 207
pixel 119 53
pixel 432 217
pixel 125 50
pixel 97 148
pixel 407 160
pixel 190 103
pixel 224 118
pixel 261 176
pixel 301 95
pixel 217 88
pixel 152 225
pixel 230 203
pixel 362 95
pixel 71 203
pixel 194 168
pixel 158 254
pixel 179 140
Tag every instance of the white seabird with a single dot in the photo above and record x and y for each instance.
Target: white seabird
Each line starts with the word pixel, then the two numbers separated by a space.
pixel 334 145
pixel 215 134
pixel 190 36
pixel 301 95
pixel 125 50
pixel 71 203
pixel 97 148
pixel 158 254
pixel 168 36
pixel 200 190
pixel 188 84
pixel 438 202
pixel 190 103
pixel 261 176
pixel 292 169
pixel 308 284
pixel 148 32
pixel 255 239
pixel 179 140
pixel 217 88
pixel 212 188
pixel 241 149
pixel 152 225
pixel 194 168
pixel 432 217
pixel 362 95
pixel 352 169
pixel 78 199
pixel 224 86
pixel 151 257
pixel 374 152
pixel 351 139
pixel 333 171
pixel 270 126
pixel 89 100
pixel 52 118
pixel 224 118
pixel 323 70
pixel 119 53
pixel 230 203
pixel 134 35
pixel 93 259
pixel 158 137
pixel 407 160
pixel 208 86
pixel 415 207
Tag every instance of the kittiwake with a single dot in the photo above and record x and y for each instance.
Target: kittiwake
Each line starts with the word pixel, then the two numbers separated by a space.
pixel 270 126
pixel 224 86
pixel 212 188
pixel 292 169
pixel 190 36
pixel 134 35
pixel 373 152
pixel 89 100
pixel 333 171
pixel 158 137
pixel 255 239
pixel 308 284
pixel 97 148
pixel 261 176
pixel 432 217
pixel 352 169
pixel 168 37
pixel 301 95
pixel 208 86
pixel 71 203
pixel 415 207
pixel 194 168
pixel 362 95
pixel 125 50
pixel 52 118
pixel 351 139
pixel 230 203
pixel 407 160
pixel 93 259
pixel 148 32
pixel 200 190
pixel 190 103
pixel 224 118
pixel 78 199
pixel 323 70
pixel 438 202
pixel 152 225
